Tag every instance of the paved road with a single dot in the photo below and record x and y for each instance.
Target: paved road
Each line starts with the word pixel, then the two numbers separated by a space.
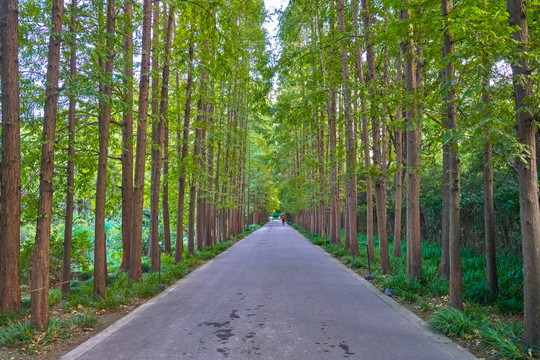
pixel 271 296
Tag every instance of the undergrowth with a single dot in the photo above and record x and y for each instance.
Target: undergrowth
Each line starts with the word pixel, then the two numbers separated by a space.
pixel 479 324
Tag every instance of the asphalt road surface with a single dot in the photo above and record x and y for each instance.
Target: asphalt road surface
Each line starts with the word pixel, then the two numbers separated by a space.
pixel 273 295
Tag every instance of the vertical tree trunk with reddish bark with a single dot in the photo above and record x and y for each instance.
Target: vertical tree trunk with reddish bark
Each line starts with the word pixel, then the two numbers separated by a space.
pixel 40 256
pixel 10 166
pixel 100 251
pixel 70 183
pixel 135 271
pixel 527 174
pixel 398 176
pixel 127 136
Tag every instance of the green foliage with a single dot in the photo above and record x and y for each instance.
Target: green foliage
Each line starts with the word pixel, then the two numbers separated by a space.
pixel 452 322
pixel 86 320
pixel 504 339
pixel 146 267
pixel 55 296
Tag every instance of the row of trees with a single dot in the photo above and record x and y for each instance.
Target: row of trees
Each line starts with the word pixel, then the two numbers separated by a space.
pixel 366 89
pixel 181 84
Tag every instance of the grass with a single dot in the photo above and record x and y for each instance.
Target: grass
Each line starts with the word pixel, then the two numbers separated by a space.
pixel 480 324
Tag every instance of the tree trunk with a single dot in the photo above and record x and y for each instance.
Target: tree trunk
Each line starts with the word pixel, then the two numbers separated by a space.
pixel 127 137
pixel 398 176
pixel 100 250
pixel 489 207
pixel 350 226
pixel 70 184
pixel 40 256
pixel 414 249
pixel 157 143
pixel 135 272
pixel 182 166
pixel 528 178
pixel 10 166
pixel 456 273
pixel 164 124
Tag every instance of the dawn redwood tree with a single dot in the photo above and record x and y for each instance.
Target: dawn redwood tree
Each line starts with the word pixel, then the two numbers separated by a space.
pixel 398 176
pixel 70 183
pixel 450 114
pixel 10 165
pixel 157 144
pixel 527 172
pixel 414 249
pixel 100 252
pixel 183 150
pixel 40 256
pixel 127 135
pixel 135 270
pixel 351 210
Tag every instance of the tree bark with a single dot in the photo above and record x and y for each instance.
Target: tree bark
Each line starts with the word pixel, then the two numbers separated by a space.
pixel 135 272
pixel 157 144
pixel 527 174
pixel 100 250
pixel 414 249
pixel 70 183
pixel 164 124
pixel 127 137
pixel 398 176
pixel 456 272
pixel 489 202
pixel 10 166
pixel 40 256
pixel 350 226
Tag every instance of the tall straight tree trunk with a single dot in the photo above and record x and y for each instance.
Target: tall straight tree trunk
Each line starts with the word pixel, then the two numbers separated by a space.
pixel 10 166
pixel 40 256
pixel 456 273
pixel 334 226
pixel 135 271
pixel 380 183
pixel 444 265
pixel 200 184
pixel 489 202
pixel 414 249
pixel 157 144
pixel 398 176
pixel 165 197
pixel 127 137
pixel 184 151
pixel 100 250
pixel 70 184
pixel 528 179
pixel 163 124
pixel 365 138
pixel 350 226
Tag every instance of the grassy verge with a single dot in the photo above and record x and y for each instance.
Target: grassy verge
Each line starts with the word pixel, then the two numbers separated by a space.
pixel 80 310
pixel 490 326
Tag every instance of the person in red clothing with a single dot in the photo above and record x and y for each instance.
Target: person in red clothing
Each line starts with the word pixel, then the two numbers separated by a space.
pixel 283 220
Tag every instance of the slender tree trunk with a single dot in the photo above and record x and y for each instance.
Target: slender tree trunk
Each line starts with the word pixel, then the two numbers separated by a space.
pixel 70 184
pixel 100 250
pixel 135 272
pixel 489 207
pixel 527 174
pixel 351 227
pixel 10 166
pixel 182 166
pixel 164 124
pixel 398 176
pixel 456 273
pixel 444 265
pixel 40 256
pixel 414 250
pixel 157 143
pixel 127 137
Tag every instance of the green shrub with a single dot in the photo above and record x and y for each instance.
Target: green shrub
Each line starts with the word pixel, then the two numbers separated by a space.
pixel 503 338
pixel 84 276
pixel 87 320
pixel 480 294
pixel 509 306
pixel 143 290
pixel 55 296
pixel 17 333
pixel 452 322
pixel 146 267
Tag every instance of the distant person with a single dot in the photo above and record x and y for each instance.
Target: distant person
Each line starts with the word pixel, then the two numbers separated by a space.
pixel 283 220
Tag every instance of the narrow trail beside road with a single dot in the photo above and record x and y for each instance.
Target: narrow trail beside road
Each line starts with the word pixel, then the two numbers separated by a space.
pixel 273 295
